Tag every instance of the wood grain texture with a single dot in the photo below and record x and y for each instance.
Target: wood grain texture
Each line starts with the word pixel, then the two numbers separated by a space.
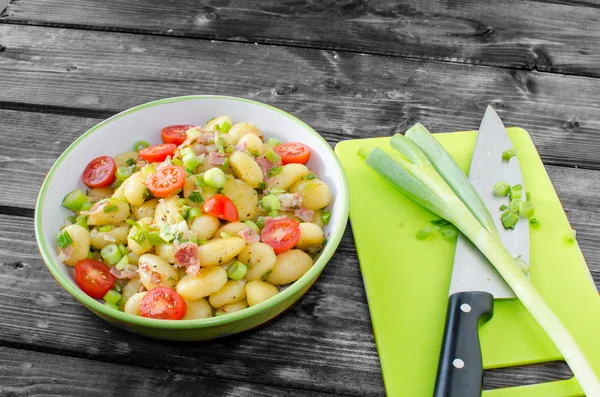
pixel 28 373
pixel 559 36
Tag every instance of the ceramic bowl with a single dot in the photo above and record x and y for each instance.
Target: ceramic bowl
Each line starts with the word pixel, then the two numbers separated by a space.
pixel 117 134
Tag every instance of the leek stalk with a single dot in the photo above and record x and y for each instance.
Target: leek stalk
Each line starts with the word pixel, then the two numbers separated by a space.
pixel 439 185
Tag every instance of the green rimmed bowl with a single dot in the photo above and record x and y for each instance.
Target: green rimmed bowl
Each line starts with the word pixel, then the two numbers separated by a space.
pixel 117 134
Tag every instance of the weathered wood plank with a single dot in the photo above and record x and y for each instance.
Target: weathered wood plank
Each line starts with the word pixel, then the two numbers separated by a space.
pixel 557 36
pixel 29 373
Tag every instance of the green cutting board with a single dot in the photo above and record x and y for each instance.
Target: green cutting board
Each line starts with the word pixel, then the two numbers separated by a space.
pixel 407 280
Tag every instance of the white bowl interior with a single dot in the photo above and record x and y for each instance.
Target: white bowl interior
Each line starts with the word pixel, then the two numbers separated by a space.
pixel 117 135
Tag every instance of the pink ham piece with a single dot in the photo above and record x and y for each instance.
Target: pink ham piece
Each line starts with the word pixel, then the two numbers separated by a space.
pixel 290 201
pixel 265 165
pixel 186 255
pixel 64 254
pixel 199 149
pixel 240 147
pixel 96 208
pixel 249 236
pixel 305 214
pixel 216 158
pixel 130 271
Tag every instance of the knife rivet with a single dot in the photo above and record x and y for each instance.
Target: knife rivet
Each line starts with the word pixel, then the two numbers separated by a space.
pixel 465 307
pixel 458 363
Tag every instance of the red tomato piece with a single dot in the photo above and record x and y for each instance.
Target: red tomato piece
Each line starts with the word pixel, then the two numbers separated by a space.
pixel 163 303
pixel 158 152
pixel 293 152
pixel 281 234
pixel 222 207
pixel 175 134
pixel 94 277
pixel 100 172
pixel 166 181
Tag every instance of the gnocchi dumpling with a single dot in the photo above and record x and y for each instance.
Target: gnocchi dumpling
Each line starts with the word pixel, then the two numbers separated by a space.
pixel 80 245
pixel 289 267
pixel 208 281
pixel 156 272
pixel 246 168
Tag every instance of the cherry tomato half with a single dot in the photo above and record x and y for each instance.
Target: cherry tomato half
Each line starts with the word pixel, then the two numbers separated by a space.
pixel 222 207
pixel 94 277
pixel 293 152
pixel 281 234
pixel 175 134
pixel 165 181
pixel 158 152
pixel 100 172
pixel 163 303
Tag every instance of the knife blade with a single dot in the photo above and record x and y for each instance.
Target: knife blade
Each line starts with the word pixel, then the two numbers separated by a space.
pixel 475 283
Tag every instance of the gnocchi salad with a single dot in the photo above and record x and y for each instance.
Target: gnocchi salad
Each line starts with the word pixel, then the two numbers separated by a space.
pixel 211 221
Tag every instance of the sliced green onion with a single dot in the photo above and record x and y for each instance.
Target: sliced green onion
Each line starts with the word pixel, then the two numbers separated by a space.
pixel 270 202
pixel 273 214
pixel 92 255
pixel 571 236
pixel 237 270
pixel 124 261
pixel 273 142
pixel 194 213
pixel 112 296
pixel 274 171
pixel 63 240
pixel 130 162
pixel 110 208
pixel 176 161
pixel 273 157
pixel 501 188
pixel 105 228
pixel 534 223
pixel 75 200
pixel 118 288
pixel 139 145
pixel 526 209
pixel 514 205
pixel 71 219
pixel 188 151
pixel 215 178
pixel 277 191
pixel 123 173
pixel 509 154
pixel 266 274
pixel 523 265
pixel 503 207
pixel 81 220
pixel 191 161
pixel 325 217
pixel 224 127
pixel 509 219
pixel 252 226
pixel 220 144
pixel 449 233
pixel 423 233
pixel 86 206
pixel 123 250
pixel 111 254
pixel 226 235
pixel 225 165
pixel 155 239
pixel 516 192
pixel 139 237
pixel 111 305
pixel 260 222
pixel 309 177
pixel 195 197
pixel 200 181
pixel 261 187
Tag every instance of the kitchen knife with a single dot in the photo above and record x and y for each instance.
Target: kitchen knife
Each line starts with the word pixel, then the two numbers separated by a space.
pixel 475 282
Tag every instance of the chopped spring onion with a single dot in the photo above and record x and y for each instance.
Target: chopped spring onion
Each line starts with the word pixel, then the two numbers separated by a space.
pixel 309 177
pixel 123 173
pixel 449 233
pixel 105 228
pixel 509 154
pixel 71 219
pixel 423 233
pixel 509 219
pixel 110 208
pixel 111 305
pixel 63 240
pixel 225 165
pixel 155 239
pixel 260 222
pixel 220 143
pixel 81 220
pixel 534 223
pixel 176 161
pixel 273 214
pixel 92 255
pixel 523 265
pixel 130 162
pixel 514 205
pixel 325 217
pixel 224 127
pixel 226 235
pixel 571 236
pixel 503 207
pixel 194 213
pixel 273 142
pixel 516 192
pixel 266 274
pixel 526 209
pixel 75 200
pixel 261 187
pixel 274 171
pixel 252 225
pixel 200 181
pixel 139 145
pixel 273 157
pixel 112 296
pixel 190 160
pixel 124 261
pixel 122 249
pixel 118 288
pixel 215 178
pixel 276 191
pixel 420 182
pixel 195 197
pixel 270 202
pixel 86 206
pixel 501 189
pixel 237 270
pixel 111 254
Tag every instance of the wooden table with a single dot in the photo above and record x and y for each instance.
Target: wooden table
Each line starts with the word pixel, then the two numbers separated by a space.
pixel 349 69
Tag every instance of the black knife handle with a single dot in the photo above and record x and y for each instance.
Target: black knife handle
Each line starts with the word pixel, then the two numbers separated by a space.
pixel 460 370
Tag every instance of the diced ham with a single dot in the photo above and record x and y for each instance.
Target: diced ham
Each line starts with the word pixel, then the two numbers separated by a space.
pixel 305 214
pixel 290 201
pixel 216 158
pixel 265 165
pixel 240 147
pixel 96 208
pixel 186 255
pixel 130 271
pixel 249 236
pixel 64 254
pixel 199 148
